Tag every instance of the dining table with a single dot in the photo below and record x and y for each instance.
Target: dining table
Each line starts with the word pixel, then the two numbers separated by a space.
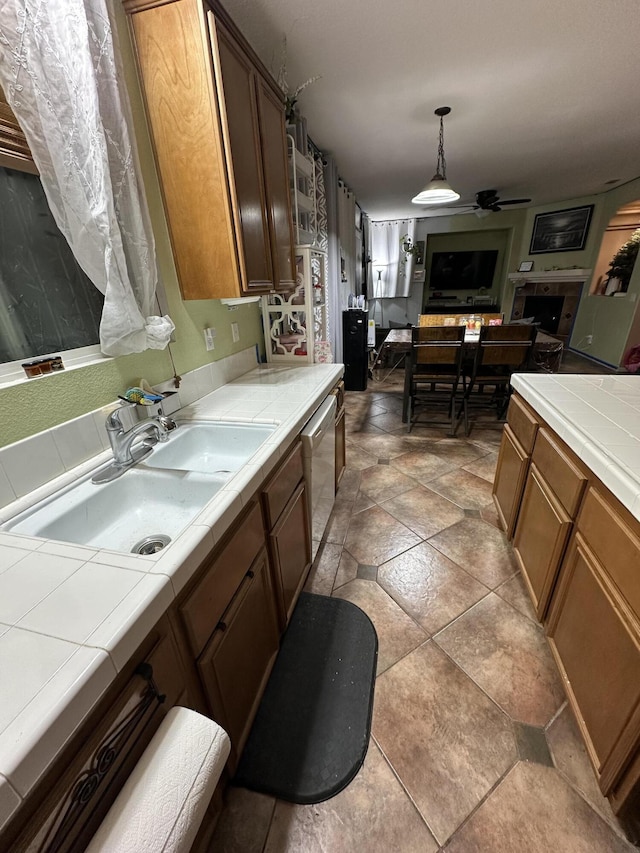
pixel 546 354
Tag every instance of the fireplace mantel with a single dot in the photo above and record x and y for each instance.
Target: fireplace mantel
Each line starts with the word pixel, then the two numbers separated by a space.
pixel 564 276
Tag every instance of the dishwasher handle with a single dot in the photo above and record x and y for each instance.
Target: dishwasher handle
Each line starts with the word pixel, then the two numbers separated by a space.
pixel 313 432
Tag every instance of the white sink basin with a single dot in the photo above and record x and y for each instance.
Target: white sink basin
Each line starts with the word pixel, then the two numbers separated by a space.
pixel 122 513
pixel 210 448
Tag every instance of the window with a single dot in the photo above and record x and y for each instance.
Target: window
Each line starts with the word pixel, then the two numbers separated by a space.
pixel 47 303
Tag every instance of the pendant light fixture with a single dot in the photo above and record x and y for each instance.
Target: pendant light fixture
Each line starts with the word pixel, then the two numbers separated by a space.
pixel 438 191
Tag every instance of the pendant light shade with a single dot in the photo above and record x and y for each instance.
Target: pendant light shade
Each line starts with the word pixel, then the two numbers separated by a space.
pixel 438 190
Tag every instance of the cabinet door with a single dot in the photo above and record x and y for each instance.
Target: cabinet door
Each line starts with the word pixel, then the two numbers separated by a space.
pixel 291 550
pixel 341 447
pixel 511 472
pixel 240 123
pixel 236 662
pixel 541 536
pixel 174 62
pixel 274 158
pixel 597 649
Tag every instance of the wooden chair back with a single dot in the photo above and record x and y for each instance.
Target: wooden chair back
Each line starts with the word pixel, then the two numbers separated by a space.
pixel 506 347
pixel 437 348
pixel 455 319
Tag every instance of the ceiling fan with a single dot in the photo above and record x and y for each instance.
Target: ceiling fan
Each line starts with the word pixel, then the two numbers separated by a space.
pixel 487 201
pixel 490 200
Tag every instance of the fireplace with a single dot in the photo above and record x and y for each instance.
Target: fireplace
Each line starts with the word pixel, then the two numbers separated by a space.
pixel 552 301
pixel 545 310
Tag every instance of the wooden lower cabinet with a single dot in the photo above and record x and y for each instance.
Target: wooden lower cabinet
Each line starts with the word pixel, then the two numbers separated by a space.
pixel 540 539
pixel 511 473
pixel 290 547
pixel 236 663
pixel 579 552
pixel 596 644
pixel 69 803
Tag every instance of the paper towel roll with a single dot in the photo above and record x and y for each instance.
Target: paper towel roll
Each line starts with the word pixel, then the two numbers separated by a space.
pixel 162 804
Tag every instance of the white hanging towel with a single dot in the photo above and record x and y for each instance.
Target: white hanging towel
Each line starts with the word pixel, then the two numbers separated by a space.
pixel 162 804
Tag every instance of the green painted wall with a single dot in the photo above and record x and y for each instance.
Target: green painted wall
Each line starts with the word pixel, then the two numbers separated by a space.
pixel 609 320
pixel 472 241
pixel 42 403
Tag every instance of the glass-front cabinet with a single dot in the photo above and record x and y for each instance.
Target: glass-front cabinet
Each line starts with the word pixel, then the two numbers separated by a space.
pixel 296 326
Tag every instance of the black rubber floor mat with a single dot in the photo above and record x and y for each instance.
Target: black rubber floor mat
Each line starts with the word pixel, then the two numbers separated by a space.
pixel 311 732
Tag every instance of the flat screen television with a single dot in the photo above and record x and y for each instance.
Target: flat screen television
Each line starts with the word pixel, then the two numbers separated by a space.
pixel 462 270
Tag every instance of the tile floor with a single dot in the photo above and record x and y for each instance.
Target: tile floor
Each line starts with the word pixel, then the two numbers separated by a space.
pixel 473 747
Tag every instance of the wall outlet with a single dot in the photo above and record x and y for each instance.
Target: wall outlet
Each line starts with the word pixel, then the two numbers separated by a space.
pixel 589 340
pixel 209 335
pixel 235 332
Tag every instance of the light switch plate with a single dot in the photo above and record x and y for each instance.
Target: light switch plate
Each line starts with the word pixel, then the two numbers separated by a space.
pixel 235 332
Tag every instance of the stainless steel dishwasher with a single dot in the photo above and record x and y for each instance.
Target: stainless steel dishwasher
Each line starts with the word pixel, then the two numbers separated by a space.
pixel 319 456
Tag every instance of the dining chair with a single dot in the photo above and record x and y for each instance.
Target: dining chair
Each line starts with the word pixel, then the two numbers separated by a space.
pixel 435 373
pixel 500 352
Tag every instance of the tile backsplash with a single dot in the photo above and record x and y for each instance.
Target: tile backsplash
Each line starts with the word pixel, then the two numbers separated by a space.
pixel 34 461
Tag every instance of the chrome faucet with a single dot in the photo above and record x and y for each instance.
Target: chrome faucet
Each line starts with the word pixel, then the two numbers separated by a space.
pixel 121 441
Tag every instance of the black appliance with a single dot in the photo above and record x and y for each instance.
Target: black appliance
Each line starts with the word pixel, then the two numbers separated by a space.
pixel 354 349
pixel 463 270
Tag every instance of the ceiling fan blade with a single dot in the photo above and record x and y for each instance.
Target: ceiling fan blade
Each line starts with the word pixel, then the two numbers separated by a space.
pixel 450 211
pixel 514 201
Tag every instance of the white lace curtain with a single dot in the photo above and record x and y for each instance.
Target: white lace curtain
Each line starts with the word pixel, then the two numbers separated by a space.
pixel 391 268
pixel 61 73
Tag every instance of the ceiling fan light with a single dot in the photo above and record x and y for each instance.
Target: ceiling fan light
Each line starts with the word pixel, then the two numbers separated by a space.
pixel 437 191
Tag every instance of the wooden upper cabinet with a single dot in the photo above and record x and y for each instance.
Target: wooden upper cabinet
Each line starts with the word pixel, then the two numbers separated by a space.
pixel 177 79
pixel 241 128
pixel 220 152
pixel 274 153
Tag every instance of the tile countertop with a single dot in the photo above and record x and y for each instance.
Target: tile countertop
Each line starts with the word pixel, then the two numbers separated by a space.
pixel 598 417
pixel 71 616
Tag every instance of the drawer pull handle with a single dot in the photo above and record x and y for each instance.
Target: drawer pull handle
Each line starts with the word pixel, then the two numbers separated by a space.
pixel 221 626
pixel 145 671
pixel 250 574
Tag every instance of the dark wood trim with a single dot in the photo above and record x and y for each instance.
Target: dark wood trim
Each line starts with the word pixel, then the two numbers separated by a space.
pixel 14 149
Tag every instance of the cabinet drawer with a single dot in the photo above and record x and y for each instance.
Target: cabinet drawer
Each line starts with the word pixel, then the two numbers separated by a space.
pixel 281 486
pixel 540 539
pixel 561 472
pixel 209 599
pixel 523 422
pixel 615 543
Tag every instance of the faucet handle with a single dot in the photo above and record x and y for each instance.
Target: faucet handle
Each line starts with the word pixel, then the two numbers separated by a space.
pixel 114 420
pixel 167 422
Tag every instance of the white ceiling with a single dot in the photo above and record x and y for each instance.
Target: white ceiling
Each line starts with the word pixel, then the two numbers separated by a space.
pixel 545 94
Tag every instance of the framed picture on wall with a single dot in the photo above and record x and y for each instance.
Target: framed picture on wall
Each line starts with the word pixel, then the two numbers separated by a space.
pixel 561 230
